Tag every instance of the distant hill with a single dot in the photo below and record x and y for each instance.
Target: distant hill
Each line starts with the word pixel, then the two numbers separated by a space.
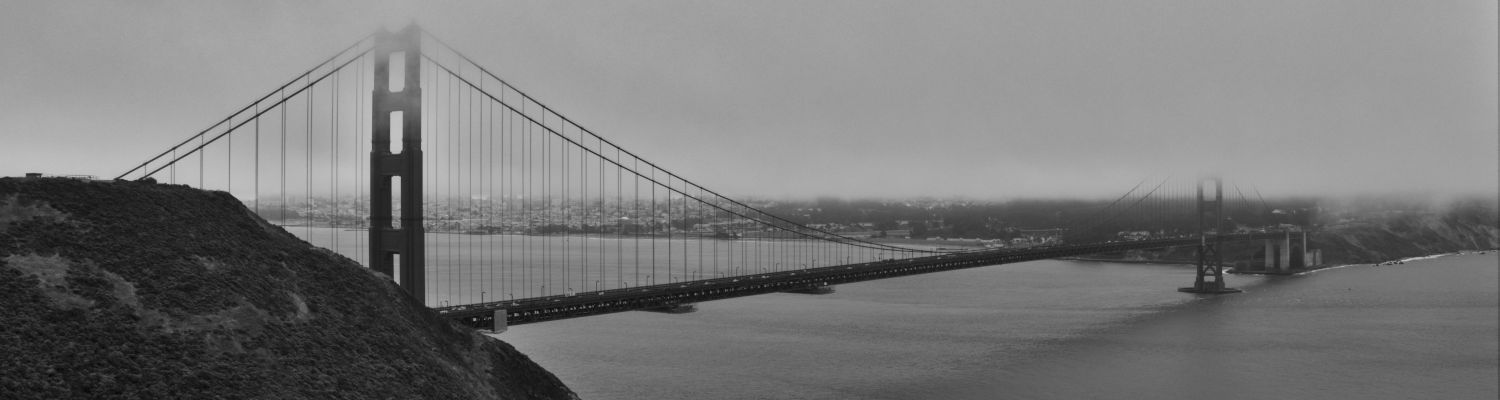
pixel 1390 236
pixel 1373 237
pixel 137 290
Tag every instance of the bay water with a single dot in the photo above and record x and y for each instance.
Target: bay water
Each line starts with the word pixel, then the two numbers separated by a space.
pixel 1056 329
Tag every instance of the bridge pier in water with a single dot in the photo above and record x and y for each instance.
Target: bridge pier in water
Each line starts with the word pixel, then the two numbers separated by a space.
pixel 1210 265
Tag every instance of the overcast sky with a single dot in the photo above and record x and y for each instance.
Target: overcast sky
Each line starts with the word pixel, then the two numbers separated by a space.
pixel 981 99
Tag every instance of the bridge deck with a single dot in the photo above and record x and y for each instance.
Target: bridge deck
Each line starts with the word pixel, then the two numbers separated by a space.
pixel 557 307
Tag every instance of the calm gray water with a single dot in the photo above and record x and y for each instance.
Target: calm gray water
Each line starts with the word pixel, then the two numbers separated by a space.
pixel 1057 330
pixel 466 269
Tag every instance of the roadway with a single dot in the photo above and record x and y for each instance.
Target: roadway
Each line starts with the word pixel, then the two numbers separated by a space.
pixel 548 308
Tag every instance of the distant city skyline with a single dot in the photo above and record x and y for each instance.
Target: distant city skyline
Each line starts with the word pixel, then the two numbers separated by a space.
pixel 1015 99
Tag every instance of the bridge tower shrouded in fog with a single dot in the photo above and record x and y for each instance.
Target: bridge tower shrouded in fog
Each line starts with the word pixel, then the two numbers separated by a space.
pixel 1210 265
pixel 397 251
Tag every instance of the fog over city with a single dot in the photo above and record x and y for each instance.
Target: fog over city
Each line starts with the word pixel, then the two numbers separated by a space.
pixel 840 98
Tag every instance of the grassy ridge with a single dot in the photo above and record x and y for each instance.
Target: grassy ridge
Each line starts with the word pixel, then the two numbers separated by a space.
pixel 135 290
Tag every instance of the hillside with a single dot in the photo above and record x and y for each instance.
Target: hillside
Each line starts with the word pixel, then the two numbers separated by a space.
pixel 139 290
pixel 1398 235
pixel 1373 238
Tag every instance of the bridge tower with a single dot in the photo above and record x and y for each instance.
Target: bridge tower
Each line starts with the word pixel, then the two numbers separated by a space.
pixel 1210 276
pixel 397 251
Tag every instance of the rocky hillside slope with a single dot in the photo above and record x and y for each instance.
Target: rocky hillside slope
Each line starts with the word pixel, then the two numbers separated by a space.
pixel 1403 235
pixel 137 290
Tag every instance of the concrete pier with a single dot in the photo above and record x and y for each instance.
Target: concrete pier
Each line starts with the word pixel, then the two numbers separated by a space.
pixel 1278 255
pixel 500 323
pixel 1286 256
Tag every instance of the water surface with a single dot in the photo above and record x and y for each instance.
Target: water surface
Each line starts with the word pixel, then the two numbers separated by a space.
pixel 1056 330
pixel 1038 330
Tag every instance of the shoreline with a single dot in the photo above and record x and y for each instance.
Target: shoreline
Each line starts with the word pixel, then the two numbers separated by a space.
pixel 1404 260
pixel 1108 260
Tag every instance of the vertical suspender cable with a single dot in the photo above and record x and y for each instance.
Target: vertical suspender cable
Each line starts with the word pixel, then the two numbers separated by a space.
pixel 548 211
pixel 283 107
pixel 620 218
pixel 359 138
pixel 563 167
pixel 510 192
pixel 333 163
pixel 489 190
pixel 527 159
pixel 200 161
pixel 257 160
pixel 653 226
pixel 454 268
pixel 636 213
pixel 229 163
pixel 307 164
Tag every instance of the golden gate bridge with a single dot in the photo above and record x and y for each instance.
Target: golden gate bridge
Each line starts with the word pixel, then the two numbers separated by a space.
pixel 494 209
